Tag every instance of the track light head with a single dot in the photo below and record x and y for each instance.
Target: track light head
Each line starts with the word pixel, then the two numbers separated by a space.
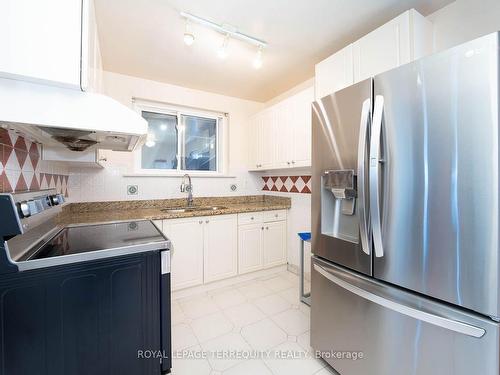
pixel 188 35
pixel 257 61
pixel 222 51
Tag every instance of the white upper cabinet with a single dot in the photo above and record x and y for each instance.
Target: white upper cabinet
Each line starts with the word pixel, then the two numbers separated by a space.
pixel 400 41
pixel 281 134
pixel 255 137
pixel 269 134
pixel 334 73
pixel 91 69
pixel 42 41
pixel 300 121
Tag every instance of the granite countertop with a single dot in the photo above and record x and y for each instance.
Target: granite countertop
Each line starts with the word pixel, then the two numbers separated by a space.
pixel 100 212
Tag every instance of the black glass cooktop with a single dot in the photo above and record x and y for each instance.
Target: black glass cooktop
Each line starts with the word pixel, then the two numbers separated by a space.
pixel 82 239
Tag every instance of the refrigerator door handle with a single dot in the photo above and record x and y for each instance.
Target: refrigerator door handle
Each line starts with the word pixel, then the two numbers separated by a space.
pixel 449 324
pixel 374 175
pixel 363 214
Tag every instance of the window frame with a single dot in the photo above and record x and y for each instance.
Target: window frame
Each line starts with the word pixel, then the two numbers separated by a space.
pixel 178 111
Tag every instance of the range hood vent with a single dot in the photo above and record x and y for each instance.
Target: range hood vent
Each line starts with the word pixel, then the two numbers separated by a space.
pixel 75 140
pixel 69 118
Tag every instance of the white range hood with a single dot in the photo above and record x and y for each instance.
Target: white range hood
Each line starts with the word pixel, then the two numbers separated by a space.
pixel 79 120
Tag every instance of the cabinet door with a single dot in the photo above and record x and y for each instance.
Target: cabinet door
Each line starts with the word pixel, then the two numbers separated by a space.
pixel 255 137
pixel 91 69
pixel 41 40
pixel 283 132
pixel 384 48
pixel 301 128
pixel 221 247
pixel 334 73
pixel 186 236
pixel 268 138
pixel 274 243
pixel 250 247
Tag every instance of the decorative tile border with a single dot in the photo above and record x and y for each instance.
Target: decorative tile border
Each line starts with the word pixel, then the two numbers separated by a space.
pixel 287 184
pixel 21 168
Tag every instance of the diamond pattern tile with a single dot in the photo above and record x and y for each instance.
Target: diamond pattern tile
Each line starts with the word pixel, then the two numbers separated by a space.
pixel 287 184
pixel 4 137
pixel 20 167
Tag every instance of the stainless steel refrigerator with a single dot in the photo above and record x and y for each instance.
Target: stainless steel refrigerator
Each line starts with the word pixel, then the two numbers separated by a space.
pixel 405 218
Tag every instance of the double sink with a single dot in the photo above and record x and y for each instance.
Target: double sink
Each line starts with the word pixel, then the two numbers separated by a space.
pixel 174 210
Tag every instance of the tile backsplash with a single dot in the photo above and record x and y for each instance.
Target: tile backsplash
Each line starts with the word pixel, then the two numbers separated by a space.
pixel 287 184
pixel 21 167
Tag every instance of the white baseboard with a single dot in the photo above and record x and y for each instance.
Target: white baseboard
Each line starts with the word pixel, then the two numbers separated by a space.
pixel 293 268
pixel 227 282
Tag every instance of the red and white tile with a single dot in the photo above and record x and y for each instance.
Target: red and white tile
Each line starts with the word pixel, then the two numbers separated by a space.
pixel 20 166
pixel 287 184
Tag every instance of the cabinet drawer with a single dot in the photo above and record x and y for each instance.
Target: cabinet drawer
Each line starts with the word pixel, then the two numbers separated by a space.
pixel 249 218
pixel 274 215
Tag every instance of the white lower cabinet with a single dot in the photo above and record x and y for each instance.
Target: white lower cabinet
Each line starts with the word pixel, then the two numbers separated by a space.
pixel 212 248
pixel 262 244
pixel 187 239
pixel 274 243
pixel 220 244
pixel 250 247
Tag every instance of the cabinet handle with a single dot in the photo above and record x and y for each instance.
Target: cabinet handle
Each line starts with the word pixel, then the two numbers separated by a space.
pixel 275 215
pixel 288 162
pixel 267 228
pixel 206 221
pixel 262 228
pixel 293 161
pixel 251 218
pixel 201 221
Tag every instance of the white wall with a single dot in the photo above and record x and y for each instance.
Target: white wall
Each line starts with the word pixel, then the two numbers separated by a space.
pixel 109 184
pixel 464 20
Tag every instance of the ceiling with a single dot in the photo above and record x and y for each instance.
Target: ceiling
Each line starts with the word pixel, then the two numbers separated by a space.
pixel 144 38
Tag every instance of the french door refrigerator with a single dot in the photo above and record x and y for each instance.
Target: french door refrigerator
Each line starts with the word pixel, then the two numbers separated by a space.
pixel 405 218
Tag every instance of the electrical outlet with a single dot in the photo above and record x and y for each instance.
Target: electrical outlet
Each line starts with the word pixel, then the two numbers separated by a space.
pixel 132 189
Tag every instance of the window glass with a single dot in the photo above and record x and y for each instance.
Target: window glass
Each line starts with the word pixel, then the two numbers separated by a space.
pixel 200 143
pixel 160 151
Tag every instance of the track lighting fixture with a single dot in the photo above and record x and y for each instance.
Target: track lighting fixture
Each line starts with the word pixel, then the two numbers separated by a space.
pixel 228 31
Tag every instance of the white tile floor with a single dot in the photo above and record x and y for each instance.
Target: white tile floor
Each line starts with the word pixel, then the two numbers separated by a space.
pixel 264 314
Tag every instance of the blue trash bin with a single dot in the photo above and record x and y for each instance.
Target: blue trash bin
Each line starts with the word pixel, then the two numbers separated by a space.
pixel 304 297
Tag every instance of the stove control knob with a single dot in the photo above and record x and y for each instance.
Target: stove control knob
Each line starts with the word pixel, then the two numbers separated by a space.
pixel 55 199
pixel 24 209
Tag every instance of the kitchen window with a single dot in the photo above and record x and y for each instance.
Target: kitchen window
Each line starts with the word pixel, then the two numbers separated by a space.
pixel 182 141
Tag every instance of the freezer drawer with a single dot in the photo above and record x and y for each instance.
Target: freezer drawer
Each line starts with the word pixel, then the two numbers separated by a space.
pixel 397 332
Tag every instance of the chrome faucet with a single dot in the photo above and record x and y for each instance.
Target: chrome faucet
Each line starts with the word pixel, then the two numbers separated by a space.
pixel 187 188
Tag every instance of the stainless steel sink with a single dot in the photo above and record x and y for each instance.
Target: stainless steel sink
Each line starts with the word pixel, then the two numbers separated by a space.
pixel 175 210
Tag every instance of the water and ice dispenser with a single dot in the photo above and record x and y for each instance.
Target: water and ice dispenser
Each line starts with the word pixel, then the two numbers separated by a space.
pixel 339 217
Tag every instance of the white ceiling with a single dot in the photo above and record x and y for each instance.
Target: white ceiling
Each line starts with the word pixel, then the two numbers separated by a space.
pixel 143 38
